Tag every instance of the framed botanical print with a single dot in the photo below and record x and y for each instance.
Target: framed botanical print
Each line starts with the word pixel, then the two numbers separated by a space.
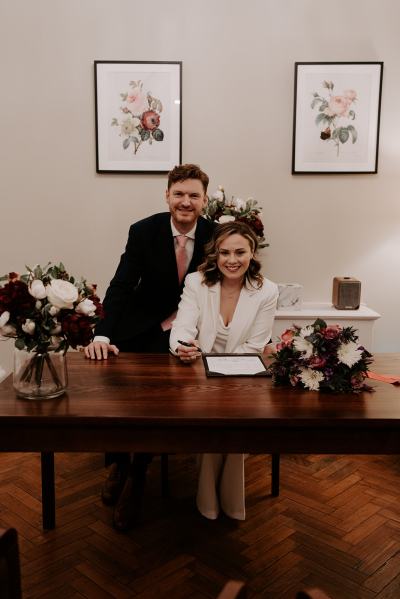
pixel 138 116
pixel 336 117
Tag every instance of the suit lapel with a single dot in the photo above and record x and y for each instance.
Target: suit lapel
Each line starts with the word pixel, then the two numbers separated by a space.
pixel 210 317
pixel 166 248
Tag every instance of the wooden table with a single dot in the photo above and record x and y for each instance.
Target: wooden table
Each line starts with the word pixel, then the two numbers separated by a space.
pixel 153 403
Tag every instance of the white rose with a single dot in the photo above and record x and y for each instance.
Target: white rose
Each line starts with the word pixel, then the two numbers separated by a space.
pixel 29 326
pixel 225 218
pixel 240 204
pixel 4 318
pixel 53 310
pixel 37 289
pixel 218 195
pixel 62 294
pixel 86 307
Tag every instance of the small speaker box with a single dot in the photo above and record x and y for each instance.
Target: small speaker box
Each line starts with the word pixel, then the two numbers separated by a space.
pixel 346 293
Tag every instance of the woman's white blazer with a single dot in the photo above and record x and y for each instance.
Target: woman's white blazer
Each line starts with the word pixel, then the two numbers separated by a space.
pixel 199 309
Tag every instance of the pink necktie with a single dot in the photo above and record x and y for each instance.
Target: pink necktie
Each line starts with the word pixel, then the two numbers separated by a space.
pixel 181 256
pixel 181 262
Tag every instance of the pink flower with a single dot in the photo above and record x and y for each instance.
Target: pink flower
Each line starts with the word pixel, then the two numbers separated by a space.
pixel 357 381
pixel 338 106
pixel 331 332
pixel 150 120
pixel 351 94
pixel 136 101
pixel 287 337
pixel 316 362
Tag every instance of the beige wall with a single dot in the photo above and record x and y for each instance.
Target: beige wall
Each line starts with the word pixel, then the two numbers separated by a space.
pixel 237 123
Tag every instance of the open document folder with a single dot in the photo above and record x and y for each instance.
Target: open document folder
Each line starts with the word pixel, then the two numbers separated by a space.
pixel 234 365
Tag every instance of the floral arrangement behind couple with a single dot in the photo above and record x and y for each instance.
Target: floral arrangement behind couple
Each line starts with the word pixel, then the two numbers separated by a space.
pixel 227 306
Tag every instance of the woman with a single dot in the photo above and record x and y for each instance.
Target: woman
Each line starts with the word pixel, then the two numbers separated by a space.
pixel 226 307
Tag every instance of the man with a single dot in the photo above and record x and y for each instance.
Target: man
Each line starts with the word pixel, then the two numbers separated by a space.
pixel 141 302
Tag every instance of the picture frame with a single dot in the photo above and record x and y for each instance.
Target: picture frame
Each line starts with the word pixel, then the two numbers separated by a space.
pixel 336 117
pixel 138 114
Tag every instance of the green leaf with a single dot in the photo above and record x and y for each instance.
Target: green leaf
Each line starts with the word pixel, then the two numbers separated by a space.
pixel 37 272
pixel 126 142
pixel 114 122
pixel 158 135
pixel 123 97
pixel 353 133
pixel 315 102
pixel 343 135
pixel 352 114
pixel 144 134
pixel 19 343
pixel 320 118
pixel 323 106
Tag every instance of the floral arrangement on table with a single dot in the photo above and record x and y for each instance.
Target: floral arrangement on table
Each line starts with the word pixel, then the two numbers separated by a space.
pixel 222 210
pixel 321 358
pixel 47 309
pixel 141 120
pixel 332 110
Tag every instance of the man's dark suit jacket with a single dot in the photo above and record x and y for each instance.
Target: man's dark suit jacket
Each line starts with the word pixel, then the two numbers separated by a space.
pixel 145 289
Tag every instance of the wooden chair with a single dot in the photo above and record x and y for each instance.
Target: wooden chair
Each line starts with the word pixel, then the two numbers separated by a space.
pixel 10 577
pixel 234 589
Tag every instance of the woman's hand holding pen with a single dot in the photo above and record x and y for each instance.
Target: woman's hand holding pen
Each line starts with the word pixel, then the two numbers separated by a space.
pixel 188 351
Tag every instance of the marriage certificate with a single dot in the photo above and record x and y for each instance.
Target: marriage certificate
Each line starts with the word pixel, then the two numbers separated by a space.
pixel 234 365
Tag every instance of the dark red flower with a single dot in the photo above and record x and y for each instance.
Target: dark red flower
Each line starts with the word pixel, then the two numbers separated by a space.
pixel 331 332
pixel 255 223
pixel 16 299
pixel 77 329
pixel 99 306
pixel 150 120
pixel 326 133
pixel 316 362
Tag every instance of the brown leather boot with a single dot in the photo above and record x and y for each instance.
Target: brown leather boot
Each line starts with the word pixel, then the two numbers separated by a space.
pixel 128 510
pixel 114 484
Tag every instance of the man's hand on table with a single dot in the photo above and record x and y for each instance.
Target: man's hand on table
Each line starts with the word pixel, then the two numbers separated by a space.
pixel 99 350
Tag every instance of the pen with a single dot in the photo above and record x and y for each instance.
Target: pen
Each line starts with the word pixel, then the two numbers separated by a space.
pixel 186 344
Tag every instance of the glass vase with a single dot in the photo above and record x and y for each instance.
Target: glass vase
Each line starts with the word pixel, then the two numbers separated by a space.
pixel 39 375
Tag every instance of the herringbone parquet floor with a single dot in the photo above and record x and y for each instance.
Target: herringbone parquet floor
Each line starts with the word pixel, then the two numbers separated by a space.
pixel 336 525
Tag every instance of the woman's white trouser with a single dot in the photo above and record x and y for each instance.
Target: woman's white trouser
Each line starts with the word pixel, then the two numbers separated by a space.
pixel 221 483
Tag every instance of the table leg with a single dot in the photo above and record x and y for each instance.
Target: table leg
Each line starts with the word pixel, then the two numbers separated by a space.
pixel 48 491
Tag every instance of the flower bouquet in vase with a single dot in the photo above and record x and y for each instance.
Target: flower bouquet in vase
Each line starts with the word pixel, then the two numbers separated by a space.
pixel 45 310
pixel 222 210
pixel 319 357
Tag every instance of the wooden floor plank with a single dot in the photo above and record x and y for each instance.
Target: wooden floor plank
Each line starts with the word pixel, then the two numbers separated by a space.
pixel 335 524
